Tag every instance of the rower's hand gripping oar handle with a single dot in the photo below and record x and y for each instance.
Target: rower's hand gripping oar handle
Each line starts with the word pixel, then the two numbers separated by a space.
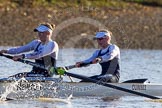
pixel 97 60
pixel 74 66
pixel 62 70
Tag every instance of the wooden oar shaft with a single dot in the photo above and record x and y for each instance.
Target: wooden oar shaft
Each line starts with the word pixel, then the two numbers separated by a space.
pixel 110 85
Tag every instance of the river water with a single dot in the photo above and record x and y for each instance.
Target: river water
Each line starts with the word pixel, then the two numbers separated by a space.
pixel 134 64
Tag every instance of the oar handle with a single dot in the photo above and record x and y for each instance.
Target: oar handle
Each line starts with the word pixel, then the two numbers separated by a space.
pixel 74 66
pixel 7 56
pixel 24 61
pixel 70 67
pixel 85 64
pixel 82 64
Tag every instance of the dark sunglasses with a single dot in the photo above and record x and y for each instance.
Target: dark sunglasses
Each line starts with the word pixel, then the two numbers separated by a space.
pixel 100 38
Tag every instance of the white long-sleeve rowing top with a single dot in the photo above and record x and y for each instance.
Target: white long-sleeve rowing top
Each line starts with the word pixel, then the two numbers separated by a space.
pixel 51 48
pixel 109 53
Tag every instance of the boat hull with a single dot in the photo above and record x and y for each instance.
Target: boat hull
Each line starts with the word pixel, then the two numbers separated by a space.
pixel 56 88
pixel 91 89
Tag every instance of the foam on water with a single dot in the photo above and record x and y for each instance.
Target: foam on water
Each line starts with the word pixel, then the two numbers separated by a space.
pixel 11 88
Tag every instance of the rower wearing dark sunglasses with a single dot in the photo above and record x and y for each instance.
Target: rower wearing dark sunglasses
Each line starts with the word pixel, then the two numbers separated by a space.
pixel 108 56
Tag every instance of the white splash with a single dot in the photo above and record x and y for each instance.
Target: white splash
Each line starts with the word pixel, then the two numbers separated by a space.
pixel 11 88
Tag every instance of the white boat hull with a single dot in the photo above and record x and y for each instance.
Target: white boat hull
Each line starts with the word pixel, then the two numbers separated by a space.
pixel 33 89
pixel 91 89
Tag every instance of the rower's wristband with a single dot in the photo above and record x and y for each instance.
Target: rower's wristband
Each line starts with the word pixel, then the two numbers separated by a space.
pixel 23 56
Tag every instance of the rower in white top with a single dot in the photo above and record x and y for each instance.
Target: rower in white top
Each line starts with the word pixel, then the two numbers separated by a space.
pixel 109 56
pixel 44 51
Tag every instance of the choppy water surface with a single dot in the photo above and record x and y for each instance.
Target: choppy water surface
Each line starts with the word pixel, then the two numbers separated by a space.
pixel 134 64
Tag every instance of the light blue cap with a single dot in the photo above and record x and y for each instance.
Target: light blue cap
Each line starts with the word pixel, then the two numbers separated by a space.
pixel 42 28
pixel 102 34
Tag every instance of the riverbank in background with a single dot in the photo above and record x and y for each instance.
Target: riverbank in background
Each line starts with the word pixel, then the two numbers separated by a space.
pixel 134 25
